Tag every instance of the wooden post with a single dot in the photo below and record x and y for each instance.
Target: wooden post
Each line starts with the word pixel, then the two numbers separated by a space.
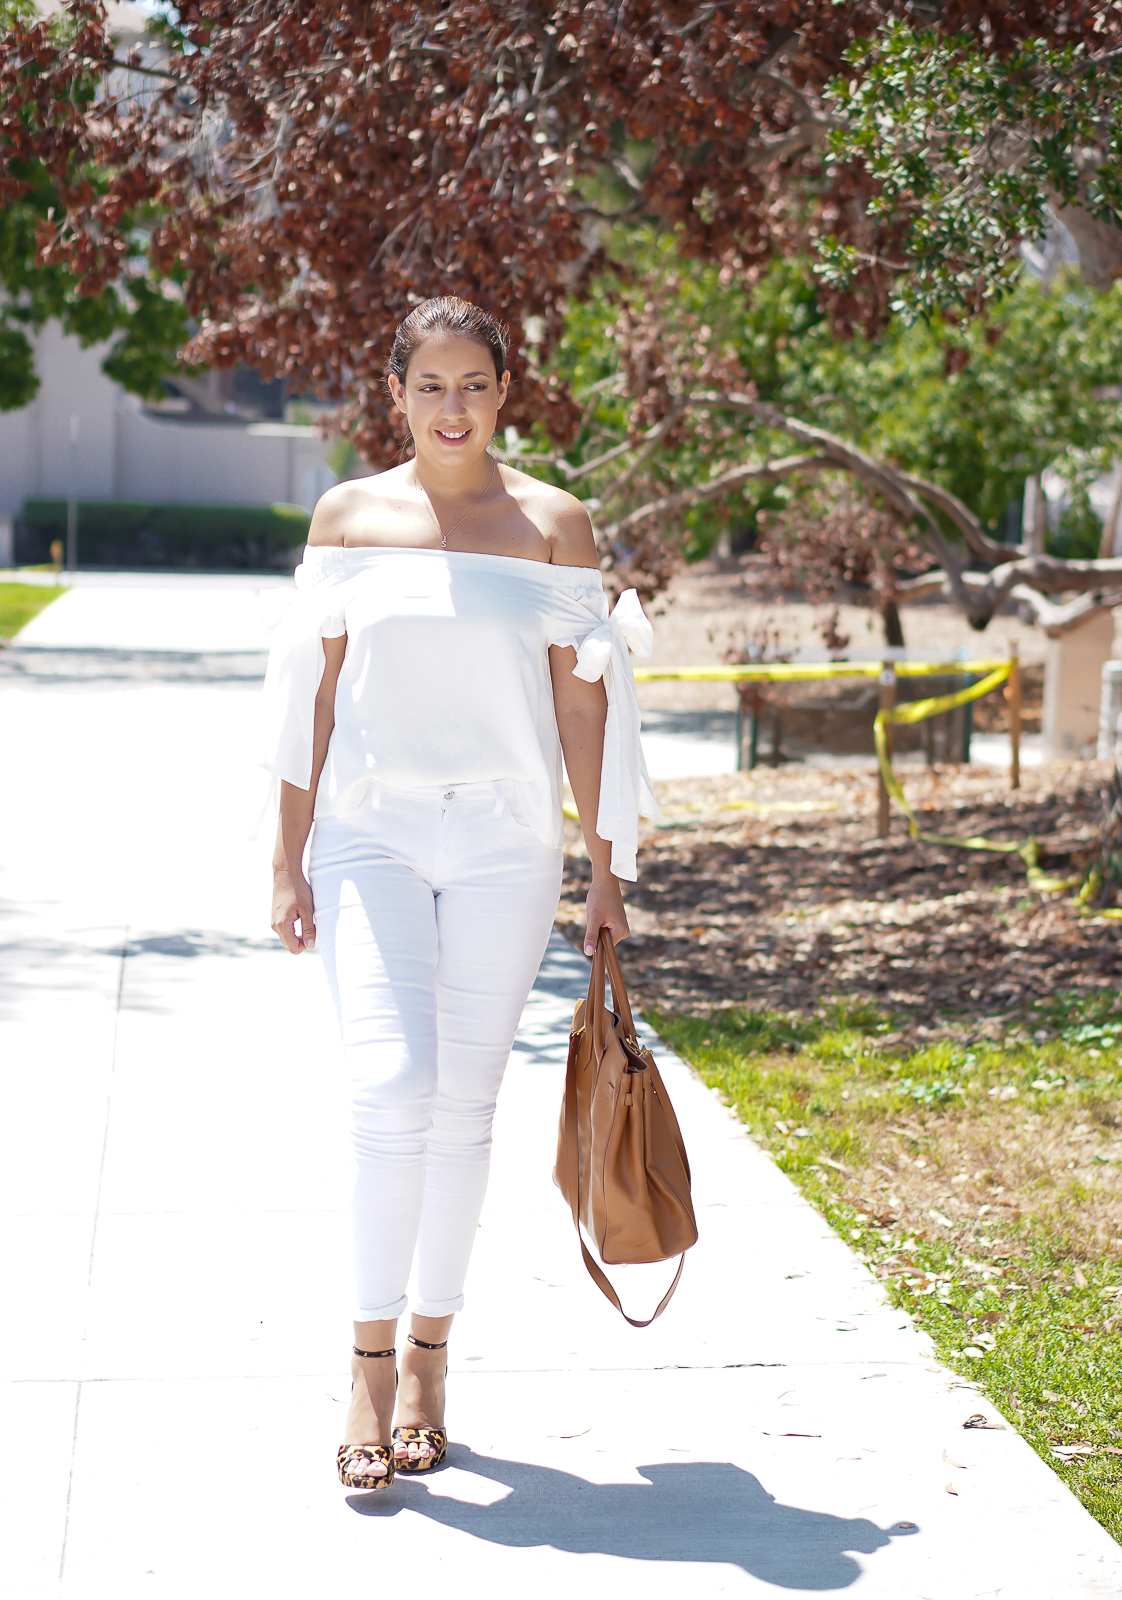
pixel 887 702
pixel 1013 698
pixel 747 726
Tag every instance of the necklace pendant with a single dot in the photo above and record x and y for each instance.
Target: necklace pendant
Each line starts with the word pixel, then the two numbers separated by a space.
pixel 444 541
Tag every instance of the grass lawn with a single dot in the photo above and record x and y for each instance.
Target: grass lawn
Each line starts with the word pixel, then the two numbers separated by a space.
pixel 981 1181
pixel 19 602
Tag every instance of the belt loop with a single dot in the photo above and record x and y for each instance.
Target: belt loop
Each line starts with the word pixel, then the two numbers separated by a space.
pixel 500 801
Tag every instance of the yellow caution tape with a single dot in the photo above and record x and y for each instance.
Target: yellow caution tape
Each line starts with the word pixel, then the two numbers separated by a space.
pixel 779 805
pixel 795 671
pixel 918 711
pixel 1029 850
pixel 764 807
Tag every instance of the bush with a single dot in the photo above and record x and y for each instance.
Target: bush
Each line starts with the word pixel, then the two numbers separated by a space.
pixel 132 533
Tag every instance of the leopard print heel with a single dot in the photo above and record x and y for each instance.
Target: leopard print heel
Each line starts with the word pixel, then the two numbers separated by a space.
pixel 435 1438
pixel 354 1460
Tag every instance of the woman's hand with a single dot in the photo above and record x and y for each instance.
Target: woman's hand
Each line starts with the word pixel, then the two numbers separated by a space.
pixel 292 904
pixel 604 909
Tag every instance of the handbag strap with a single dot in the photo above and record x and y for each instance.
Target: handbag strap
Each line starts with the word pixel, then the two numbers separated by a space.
pixel 598 1276
pixel 600 1279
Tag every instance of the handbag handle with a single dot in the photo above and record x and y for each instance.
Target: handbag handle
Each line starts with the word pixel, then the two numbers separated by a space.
pixel 606 958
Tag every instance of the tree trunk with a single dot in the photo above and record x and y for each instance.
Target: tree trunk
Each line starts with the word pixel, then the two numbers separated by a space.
pixel 893 626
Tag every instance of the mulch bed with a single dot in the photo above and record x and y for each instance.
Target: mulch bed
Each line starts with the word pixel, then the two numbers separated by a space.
pixel 786 909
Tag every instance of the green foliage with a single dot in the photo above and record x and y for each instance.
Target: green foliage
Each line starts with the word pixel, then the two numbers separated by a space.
pixel 975 406
pixel 968 149
pixel 980 406
pixel 18 382
pixel 153 321
pixel 143 314
pixel 115 533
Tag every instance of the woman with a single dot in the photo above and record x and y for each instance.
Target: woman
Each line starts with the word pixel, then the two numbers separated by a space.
pixel 448 640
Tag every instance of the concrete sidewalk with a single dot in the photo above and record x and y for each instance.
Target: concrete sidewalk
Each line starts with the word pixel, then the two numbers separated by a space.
pixel 175 1349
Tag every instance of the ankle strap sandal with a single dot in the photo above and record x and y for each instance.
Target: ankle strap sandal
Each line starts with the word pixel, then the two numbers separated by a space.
pixel 435 1440
pixel 355 1460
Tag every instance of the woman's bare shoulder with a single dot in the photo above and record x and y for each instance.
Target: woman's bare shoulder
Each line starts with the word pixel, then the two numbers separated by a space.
pixel 344 510
pixel 560 517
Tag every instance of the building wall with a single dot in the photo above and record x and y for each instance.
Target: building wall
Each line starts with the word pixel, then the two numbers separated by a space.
pixel 262 463
pixel 122 453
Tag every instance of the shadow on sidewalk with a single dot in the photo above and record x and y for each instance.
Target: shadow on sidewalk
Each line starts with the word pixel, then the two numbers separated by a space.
pixel 695 1511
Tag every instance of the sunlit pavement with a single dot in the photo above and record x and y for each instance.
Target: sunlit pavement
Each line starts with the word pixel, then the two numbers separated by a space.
pixel 175 1337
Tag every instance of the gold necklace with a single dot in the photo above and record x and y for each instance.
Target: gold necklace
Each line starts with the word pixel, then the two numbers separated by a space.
pixel 467 513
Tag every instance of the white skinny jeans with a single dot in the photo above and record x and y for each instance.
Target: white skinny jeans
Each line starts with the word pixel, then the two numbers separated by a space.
pixel 433 910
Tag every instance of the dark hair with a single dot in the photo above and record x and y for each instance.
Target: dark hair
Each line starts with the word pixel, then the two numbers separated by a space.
pixel 447 314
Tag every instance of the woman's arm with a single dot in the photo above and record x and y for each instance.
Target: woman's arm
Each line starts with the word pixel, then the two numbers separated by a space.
pixel 581 709
pixel 292 893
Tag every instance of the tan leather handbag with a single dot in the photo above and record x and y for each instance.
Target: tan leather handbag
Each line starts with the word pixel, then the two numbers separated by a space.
pixel 621 1163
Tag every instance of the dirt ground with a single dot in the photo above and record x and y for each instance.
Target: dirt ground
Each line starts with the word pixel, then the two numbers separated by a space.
pixel 770 889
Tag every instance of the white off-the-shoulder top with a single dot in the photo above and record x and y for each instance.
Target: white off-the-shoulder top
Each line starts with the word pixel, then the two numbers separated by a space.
pixel 446 681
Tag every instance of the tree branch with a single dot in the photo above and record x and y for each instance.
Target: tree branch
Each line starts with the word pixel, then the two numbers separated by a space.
pixel 1058 620
pixel 884 479
pixel 804 136
pixel 654 438
pixel 972 531
pixel 146 72
pixel 769 471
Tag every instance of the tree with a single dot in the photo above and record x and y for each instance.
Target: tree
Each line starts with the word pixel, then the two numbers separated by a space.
pixel 142 312
pixel 318 168
pixel 974 149
pixel 972 407
pixel 313 171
